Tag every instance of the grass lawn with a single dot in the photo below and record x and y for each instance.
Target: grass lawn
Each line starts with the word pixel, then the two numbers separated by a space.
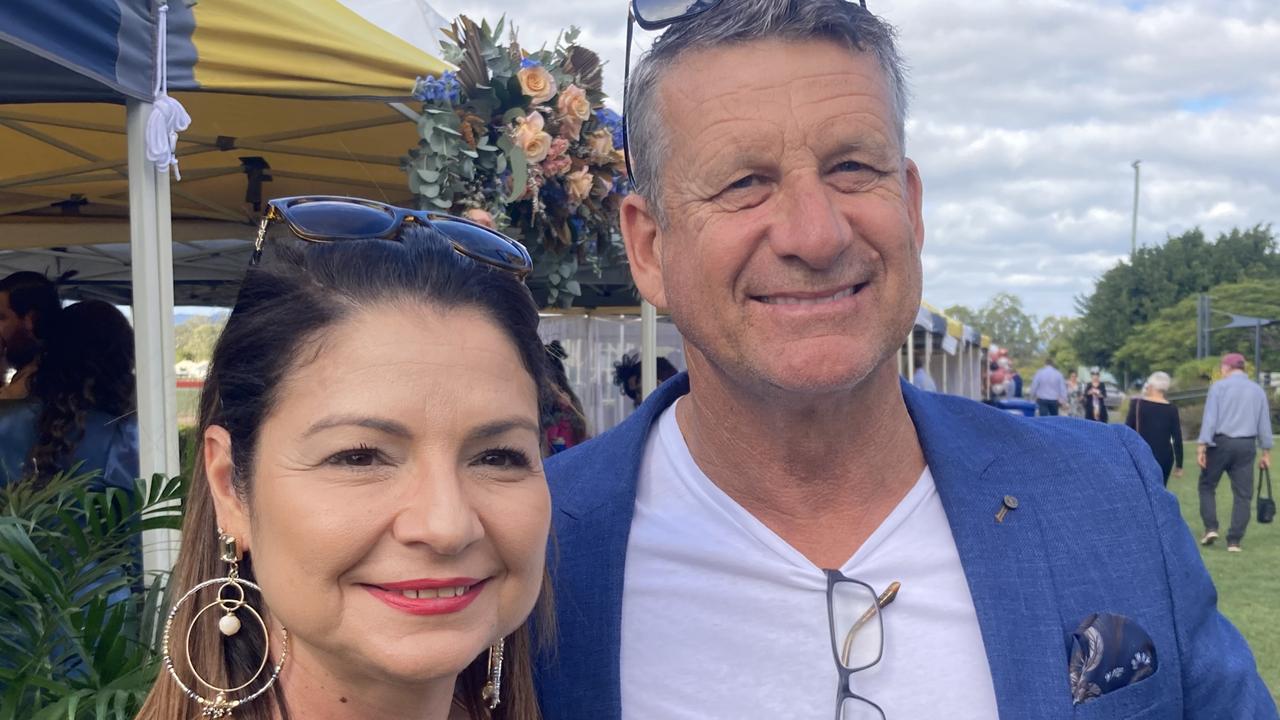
pixel 1248 582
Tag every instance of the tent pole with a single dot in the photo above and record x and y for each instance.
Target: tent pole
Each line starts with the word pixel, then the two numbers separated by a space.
pixel 648 349
pixel 151 246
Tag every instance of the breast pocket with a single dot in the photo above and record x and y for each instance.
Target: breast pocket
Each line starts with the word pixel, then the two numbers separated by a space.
pixel 1149 699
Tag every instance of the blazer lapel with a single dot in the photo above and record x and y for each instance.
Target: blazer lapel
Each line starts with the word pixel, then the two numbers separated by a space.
pixel 594 505
pixel 1005 562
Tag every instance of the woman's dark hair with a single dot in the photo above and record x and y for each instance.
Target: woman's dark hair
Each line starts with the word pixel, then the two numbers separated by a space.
pixel 286 305
pixel 564 401
pixel 31 292
pixel 87 365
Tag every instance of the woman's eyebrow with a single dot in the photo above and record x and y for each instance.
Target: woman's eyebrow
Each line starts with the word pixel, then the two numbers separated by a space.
pixel 382 425
pixel 498 427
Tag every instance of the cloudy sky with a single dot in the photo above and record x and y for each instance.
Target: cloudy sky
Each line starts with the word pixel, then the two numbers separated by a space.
pixel 1027 115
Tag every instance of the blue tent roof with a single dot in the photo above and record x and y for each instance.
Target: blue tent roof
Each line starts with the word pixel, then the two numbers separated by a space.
pixel 76 50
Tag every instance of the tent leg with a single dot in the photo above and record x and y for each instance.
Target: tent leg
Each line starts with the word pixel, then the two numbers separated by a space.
pixel 151 246
pixel 648 349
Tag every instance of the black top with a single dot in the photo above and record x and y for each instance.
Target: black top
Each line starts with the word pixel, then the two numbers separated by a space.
pixel 1159 425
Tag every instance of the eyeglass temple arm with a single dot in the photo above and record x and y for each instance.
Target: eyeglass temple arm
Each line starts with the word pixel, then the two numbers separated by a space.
pixel 885 598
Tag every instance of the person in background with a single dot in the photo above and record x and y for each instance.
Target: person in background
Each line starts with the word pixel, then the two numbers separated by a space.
pixel 1156 420
pixel 562 415
pixel 4 367
pixel 79 416
pixel 29 310
pixel 1237 421
pixel 626 375
pixel 922 379
pixel 1094 397
pixel 1015 380
pixel 1049 389
pixel 1073 394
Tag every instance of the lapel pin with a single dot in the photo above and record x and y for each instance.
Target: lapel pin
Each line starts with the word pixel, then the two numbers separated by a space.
pixel 1010 503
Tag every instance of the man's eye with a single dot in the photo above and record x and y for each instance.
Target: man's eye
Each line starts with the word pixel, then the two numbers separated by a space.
pixel 850 166
pixel 743 183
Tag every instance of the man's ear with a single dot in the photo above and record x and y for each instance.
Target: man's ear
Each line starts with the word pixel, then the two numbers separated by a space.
pixel 915 202
pixel 219 469
pixel 643 237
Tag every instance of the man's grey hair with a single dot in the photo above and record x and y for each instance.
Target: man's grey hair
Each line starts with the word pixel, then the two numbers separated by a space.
pixel 1159 381
pixel 736 22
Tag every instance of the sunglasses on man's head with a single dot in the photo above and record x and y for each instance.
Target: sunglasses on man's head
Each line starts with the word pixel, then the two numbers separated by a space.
pixel 655 15
pixel 326 218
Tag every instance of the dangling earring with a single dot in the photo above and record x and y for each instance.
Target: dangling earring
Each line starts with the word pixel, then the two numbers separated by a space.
pixel 229 624
pixel 493 689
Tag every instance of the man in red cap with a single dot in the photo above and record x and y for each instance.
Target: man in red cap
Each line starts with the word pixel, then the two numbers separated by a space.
pixel 1237 421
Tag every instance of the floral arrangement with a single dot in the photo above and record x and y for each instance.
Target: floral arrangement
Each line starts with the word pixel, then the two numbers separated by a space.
pixel 521 141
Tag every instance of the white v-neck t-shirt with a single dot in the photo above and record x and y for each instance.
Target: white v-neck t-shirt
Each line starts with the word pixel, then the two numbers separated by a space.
pixel 721 618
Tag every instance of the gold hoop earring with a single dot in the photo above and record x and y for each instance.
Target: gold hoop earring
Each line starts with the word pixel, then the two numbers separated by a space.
pixel 222 704
pixel 493 688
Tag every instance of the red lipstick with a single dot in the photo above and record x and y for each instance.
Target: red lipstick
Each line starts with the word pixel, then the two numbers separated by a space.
pixel 428 596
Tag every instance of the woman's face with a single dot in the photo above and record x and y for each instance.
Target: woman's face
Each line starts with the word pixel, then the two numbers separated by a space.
pixel 398 513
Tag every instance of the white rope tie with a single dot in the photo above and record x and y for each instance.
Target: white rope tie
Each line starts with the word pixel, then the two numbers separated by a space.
pixel 168 117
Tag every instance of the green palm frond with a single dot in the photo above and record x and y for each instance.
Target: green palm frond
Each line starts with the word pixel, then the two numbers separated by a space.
pixel 79 622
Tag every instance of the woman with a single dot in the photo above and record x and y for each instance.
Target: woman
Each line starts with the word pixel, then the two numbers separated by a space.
pixel 79 416
pixel 1156 420
pixel 1073 393
pixel 563 418
pixel 1094 398
pixel 369 435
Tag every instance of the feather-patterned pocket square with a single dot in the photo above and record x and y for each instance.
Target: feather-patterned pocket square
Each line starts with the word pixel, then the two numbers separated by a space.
pixel 1108 652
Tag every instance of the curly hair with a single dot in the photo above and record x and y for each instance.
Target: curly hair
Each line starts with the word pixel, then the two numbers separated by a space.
pixel 87 365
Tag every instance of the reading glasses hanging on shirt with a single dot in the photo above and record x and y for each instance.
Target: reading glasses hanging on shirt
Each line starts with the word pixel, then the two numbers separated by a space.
pixel 857 639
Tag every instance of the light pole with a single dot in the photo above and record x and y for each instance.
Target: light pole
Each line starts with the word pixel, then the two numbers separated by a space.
pixel 1133 238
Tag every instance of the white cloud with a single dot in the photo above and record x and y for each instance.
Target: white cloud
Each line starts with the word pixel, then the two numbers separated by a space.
pixel 1026 115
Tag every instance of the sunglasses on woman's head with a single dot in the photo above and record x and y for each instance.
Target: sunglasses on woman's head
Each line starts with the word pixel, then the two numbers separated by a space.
pixel 325 218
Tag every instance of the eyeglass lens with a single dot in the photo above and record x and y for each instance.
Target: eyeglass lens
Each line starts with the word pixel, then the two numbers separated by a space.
pixel 856 708
pixel 657 11
pixel 340 219
pixel 856 628
pixel 482 244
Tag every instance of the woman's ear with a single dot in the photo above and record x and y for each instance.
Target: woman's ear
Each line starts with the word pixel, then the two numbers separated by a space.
pixel 220 470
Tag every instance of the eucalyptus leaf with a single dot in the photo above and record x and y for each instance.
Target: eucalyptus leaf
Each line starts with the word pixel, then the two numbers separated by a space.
pixel 429 175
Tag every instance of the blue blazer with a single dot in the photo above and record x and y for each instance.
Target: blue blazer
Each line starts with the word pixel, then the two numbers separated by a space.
pixel 1095 531
pixel 109 447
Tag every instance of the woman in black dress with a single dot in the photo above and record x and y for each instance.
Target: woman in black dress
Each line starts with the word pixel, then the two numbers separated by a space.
pixel 1094 398
pixel 1156 420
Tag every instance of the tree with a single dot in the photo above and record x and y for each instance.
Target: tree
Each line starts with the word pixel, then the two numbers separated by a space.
pixel 1169 340
pixel 1130 294
pixel 1057 335
pixel 195 338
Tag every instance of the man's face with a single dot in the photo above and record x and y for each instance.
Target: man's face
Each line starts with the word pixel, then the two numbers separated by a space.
pixel 17 334
pixel 791 255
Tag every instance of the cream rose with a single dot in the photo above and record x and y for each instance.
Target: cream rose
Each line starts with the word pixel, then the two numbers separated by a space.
pixel 600 143
pixel 574 110
pixel 578 184
pixel 537 83
pixel 527 128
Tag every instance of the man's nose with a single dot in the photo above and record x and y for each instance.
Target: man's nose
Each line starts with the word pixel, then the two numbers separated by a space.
pixel 808 225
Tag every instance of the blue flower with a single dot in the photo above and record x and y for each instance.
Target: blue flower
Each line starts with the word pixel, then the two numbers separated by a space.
pixel 529 62
pixel 612 122
pixel 445 87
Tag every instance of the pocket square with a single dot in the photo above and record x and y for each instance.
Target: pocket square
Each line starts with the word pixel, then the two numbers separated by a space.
pixel 1108 652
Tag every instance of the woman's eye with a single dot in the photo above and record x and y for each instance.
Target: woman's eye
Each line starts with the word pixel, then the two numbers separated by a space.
pixel 360 457
pixel 503 458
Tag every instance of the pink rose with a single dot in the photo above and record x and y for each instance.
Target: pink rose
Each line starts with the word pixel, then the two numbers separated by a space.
pixel 559 147
pixel 555 167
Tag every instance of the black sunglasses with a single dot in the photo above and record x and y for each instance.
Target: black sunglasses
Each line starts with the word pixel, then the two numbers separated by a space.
pixel 326 218
pixel 654 15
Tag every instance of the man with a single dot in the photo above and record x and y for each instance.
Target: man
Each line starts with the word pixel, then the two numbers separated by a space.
pixel 626 375
pixel 778 221
pixel 29 306
pixel 1237 421
pixel 1049 389
pixel 921 378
